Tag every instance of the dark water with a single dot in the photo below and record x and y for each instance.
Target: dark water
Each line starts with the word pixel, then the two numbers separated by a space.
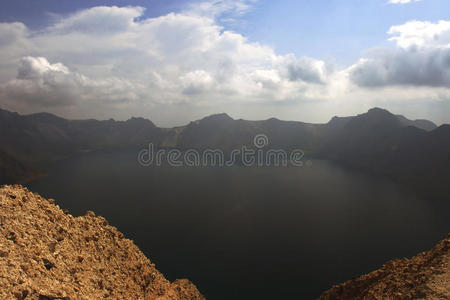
pixel 250 233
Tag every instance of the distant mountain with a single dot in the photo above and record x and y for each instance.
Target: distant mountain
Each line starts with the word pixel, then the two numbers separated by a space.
pixel 376 141
pixel 365 140
pixel 223 132
pixel 383 143
pixel 44 137
pixel 214 131
pixel 376 114
pixel 13 171
pixel 422 124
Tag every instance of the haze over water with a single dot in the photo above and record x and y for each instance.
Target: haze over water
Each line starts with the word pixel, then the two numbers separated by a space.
pixel 247 233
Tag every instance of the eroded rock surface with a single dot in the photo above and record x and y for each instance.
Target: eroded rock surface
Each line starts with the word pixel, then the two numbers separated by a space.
pixel 46 253
pixel 425 276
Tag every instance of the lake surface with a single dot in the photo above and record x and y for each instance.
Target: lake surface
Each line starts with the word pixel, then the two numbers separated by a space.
pixel 249 232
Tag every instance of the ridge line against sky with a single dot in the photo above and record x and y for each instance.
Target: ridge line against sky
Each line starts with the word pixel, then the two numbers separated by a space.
pixel 180 61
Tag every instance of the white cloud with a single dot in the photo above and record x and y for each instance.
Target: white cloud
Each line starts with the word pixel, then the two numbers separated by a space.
pixel 422 58
pixel 100 19
pixel 403 1
pixel 175 58
pixel 215 8
pixel 14 43
pixel 196 82
pixel 111 62
pixel 37 67
pixel 421 34
pixel 11 33
pixel 42 84
pixel 308 69
pixel 428 67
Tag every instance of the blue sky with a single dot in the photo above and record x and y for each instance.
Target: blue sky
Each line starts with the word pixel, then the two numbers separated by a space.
pixel 326 29
pixel 33 13
pixel 342 29
pixel 174 61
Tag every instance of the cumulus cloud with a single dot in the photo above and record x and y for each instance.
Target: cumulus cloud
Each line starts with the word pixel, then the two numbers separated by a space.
pixel 430 67
pixel 40 83
pixel 196 82
pixel 308 70
pixel 100 19
pixel 101 52
pixel 421 34
pixel 185 65
pixel 38 67
pixel 11 33
pixel 14 43
pixel 421 59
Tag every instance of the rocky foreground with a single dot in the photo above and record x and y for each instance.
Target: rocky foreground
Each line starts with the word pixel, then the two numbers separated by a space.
pixel 425 276
pixel 46 253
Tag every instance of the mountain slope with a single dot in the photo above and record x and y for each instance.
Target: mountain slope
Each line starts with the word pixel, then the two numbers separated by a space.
pixel 386 144
pixel 412 152
pixel 44 137
pixel 425 276
pixel 13 171
pixel 421 124
pixel 48 254
pixel 223 132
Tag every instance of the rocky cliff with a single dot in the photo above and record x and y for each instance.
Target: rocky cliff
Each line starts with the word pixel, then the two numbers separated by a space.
pixel 46 253
pixel 425 276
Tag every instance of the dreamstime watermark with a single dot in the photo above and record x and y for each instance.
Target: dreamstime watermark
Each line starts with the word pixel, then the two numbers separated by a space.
pixel 243 156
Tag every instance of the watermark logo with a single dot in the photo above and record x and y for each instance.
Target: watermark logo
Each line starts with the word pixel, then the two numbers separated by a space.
pixel 262 156
pixel 260 141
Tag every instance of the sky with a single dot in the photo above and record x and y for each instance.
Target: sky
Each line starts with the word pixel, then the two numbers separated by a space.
pixel 175 61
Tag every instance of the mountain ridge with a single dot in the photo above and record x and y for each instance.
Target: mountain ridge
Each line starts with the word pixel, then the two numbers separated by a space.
pixel 376 141
pixel 224 116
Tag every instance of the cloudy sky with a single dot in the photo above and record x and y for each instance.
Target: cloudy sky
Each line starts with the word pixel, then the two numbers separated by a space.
pixel 174 61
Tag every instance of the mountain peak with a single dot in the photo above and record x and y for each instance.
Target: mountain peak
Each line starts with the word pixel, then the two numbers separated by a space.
pixel 378 111
pixel 222 117
pixel 376 119
pixel 339 121
pixel 140 121
pixel 273 120
pixel 443 130
pixel 380 114
pixel 46 117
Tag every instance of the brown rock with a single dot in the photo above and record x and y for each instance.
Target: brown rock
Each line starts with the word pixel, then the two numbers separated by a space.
pixel 46 253
pixel 425 276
